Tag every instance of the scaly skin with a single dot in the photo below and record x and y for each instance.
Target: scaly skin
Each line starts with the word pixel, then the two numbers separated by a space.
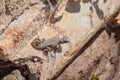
pixel 51 43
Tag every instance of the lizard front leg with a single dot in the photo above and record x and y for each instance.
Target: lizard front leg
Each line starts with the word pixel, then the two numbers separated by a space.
pixel 58 48
pixel 46 51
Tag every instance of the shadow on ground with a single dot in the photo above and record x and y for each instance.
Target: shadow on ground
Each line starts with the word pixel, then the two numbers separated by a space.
pixel 113 30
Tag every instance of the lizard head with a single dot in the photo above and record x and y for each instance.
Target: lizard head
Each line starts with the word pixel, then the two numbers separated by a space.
pixel 36 42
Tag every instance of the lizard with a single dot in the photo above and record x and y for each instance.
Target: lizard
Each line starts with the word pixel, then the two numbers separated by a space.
pixel 52 44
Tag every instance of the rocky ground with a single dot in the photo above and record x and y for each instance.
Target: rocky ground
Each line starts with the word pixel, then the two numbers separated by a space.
pixel 23 21
pixel 102 58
